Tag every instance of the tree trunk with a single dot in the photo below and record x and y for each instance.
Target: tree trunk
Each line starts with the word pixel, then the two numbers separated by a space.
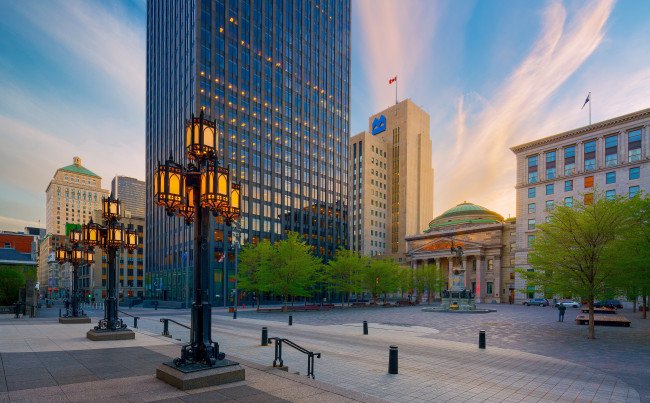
pixel 634 305
pixel 286 300
pixel 592 331
pixel 645 307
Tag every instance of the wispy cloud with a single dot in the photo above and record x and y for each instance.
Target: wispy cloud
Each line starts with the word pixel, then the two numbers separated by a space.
pixel 482 161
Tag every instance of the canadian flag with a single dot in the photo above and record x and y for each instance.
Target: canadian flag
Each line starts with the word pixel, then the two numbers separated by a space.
pixel 392 80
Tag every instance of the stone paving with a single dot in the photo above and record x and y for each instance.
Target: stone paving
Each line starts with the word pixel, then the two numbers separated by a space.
pixel 530 356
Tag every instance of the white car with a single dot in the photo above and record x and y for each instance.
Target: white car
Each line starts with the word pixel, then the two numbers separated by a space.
pixel 572 304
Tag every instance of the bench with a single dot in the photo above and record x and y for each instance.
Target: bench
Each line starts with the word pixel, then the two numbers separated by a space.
pixel 359 304
pixel 606 311
pixel 603 320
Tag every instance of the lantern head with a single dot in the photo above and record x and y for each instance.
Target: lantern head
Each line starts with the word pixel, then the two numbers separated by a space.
pixel 88 256
pixel 214 187
pixel 61 255
pixel 110 208
pixel 115 235
pixel 130 239
pixel 76 255
pixel 186 210
pixel 169 185
pixel 75 236
pixel 90 234
pixel 200 138
pixel 232 212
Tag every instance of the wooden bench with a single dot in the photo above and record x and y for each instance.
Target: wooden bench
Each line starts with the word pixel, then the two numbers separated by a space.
pixel 603 320
pixel 403 303
pixel 359 304
pixel 605 311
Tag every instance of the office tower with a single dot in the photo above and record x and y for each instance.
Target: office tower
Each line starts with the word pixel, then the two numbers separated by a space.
pixel 392 181
pixel 130 193
pixel 274 75
pixel 611 156
pixel 72 195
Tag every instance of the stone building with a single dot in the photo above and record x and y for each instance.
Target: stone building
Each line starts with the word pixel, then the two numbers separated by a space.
pixel 488 243
pixel 612 157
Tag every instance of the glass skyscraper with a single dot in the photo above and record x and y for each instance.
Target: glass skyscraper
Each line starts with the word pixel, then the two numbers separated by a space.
pixel 275 75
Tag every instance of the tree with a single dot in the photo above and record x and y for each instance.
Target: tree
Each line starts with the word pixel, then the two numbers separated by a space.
pixel 575 251
pixel 433 278
pixel 11 279
pixel 293 270
pixel 344 272
pixel 255 260
pixel 381 276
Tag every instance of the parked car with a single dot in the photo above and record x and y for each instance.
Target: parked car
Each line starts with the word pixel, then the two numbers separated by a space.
pixel 610 303
pixel 572 304
pixel 536 301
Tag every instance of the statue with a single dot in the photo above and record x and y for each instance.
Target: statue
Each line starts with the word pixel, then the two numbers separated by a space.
pixel 457 280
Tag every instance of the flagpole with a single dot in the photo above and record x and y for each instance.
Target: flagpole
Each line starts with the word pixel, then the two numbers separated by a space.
pixel 395 92
pixel 590 107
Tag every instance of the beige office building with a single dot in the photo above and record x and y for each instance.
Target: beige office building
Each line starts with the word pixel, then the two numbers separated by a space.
pixel 71 197
pixel 391 181
pixel 612 156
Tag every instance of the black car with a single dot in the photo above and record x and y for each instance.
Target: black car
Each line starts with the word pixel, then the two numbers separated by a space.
pixel 610 303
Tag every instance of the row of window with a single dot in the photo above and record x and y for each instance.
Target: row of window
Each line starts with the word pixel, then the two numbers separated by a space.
pixel 610 177
pixel 72 179
pixel 589 153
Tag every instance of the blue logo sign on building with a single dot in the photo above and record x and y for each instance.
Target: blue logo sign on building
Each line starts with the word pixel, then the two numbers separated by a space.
pixel 379 125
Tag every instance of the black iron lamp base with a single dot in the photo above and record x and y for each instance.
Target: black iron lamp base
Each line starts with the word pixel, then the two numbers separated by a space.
pixel 195 376
pixel 204 354
pixel 74 319
pixel 109 335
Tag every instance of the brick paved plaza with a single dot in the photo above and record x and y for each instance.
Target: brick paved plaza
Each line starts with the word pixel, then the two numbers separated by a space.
pixel 529 355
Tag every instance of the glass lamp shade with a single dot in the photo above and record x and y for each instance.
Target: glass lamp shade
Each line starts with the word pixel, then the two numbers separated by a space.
pixel 169 185
pixel 61 255
pixel 88 256
pixel 76 255
pixel 214 187
pixel 115 235
pixel 186 210
pixel 232 212
pixel 200 137
pixel 130 239
pixel 90 234
pixel 75 236
pixel 110 208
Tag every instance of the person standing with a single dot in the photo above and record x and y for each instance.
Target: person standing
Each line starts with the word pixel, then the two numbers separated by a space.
pixel 561 308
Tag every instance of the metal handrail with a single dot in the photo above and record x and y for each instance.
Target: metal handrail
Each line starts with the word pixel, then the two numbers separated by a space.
pixel 166 321
pixel 135 318
pixel 278 354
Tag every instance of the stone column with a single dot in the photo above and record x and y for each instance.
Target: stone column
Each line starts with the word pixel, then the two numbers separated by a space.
pixel 646 141
pixel 466 274
pixel 450 265
pixel 600 152
pixel 622 147
pixel 480 275
pixel 580 158
pixel 498 291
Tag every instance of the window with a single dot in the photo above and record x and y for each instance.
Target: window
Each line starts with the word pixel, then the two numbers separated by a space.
pixel 610 194
pixel 531 208
pixel 568 201
pixel 590 155
pixel 634 173
pixel 550 189
pixel 531 193
pixel 532 169
pixel 634 145
pixel 549 205
pixel 589 181
pixel 589 198
pixel 570 160
pixel 489 288
pixel 531 240
pixel 611 151
pixel 568 186
pixel 634 190
pixel 490 264
pixel 610 177
pixel 531 223
pixel 550 165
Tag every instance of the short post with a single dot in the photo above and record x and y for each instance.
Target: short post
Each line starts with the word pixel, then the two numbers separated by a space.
pixel 290 320
pixel 135 322
pixel 481 339
pixel 392 360
pixel 265 336
pixel 234 314
pixel 365 327
pixel 165 327
pixel 59 313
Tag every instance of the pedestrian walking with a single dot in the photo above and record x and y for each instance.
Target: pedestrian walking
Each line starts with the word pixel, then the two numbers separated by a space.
pixel 561 308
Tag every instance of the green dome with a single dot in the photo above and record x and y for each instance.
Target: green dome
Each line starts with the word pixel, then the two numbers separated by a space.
pixel 465 213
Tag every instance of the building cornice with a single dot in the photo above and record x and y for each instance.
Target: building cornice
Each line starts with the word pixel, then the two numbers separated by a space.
pixel 456 230
pixel 644 113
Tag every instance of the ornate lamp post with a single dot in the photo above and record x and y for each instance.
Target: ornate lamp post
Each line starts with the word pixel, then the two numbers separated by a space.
pixel 192 192
pixel 110 237
pixel 75 255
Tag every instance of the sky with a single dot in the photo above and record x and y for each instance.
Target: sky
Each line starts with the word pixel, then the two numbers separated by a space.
pixel 491 74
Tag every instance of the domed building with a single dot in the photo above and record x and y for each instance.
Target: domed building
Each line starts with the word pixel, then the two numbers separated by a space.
pixel 487 241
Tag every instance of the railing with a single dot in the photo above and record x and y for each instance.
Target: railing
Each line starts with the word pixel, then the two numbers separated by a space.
pixel 135 318
pixel 278 354
pixel 166 321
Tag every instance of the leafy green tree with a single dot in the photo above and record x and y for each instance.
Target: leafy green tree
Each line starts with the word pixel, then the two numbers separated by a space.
pixel 575 252
pixel 11 279
pixel 433 278
pixel 293 270
pixel 344 272
pixel 254 260
pixel 381 276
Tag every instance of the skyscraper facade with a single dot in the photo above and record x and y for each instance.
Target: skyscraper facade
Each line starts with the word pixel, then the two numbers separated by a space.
pixel 130 192
pixel 274 75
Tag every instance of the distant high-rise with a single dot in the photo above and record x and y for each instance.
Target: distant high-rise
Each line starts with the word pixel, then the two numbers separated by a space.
pixel 71 196
pixel 275 75
pixel 392 181
pixel 130 193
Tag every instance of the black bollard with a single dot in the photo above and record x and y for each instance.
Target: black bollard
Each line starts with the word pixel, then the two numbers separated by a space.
pixel 234 314
pixel 290 320
pixel 59 313
pixel 135 322
pixel 481 339
pixel 365 327
pixel 265 336
pixel 392 360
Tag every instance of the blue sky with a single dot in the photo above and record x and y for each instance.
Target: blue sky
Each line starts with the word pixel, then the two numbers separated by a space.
pixel 492 74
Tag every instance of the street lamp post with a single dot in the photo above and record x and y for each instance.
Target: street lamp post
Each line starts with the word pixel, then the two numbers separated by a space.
pixel 110 237
pixel 74 256
pixel 192 192
pixel 236 231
